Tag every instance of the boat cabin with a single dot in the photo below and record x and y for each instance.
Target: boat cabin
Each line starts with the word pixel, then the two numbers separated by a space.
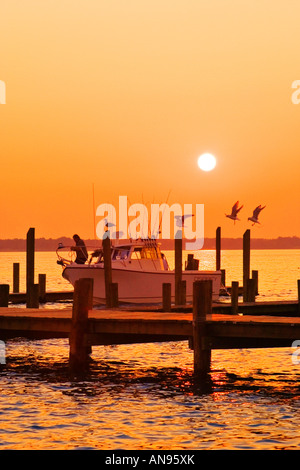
pixel 138 256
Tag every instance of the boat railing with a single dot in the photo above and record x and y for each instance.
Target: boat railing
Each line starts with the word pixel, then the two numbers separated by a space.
pixel 67 256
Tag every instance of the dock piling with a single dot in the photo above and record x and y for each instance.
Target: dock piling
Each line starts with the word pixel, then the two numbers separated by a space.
pixel 30 289
pixel 192 264
pixel 223 277
pixel 30 246
pixel 4 295
pixel 114 295
pixel 251 290
pixel 83 302
pixel 255 276
pixel 182 292
pixel 218 249
pixel 246 263
pixel 234 297
pixel 107 270
pixel 178 270
pixel 32 296
pixel 16 278
pixel 166 297
pixel 202 306
pixel 42 287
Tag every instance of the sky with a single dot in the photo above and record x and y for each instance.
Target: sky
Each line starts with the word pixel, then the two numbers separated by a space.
pixel 120 97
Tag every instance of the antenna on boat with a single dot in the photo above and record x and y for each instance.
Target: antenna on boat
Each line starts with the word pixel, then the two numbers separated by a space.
pixel 159 225
pixel 94 212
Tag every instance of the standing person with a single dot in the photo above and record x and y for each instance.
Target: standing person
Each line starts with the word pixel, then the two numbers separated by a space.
pixel 80 248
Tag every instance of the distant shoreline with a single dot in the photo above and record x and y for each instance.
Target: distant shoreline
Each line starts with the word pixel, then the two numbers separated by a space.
pixel 43 244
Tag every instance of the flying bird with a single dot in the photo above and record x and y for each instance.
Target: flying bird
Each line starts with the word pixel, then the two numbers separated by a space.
pixel 109 224
pixel 234 211
pixel 255 214
pixel 181 218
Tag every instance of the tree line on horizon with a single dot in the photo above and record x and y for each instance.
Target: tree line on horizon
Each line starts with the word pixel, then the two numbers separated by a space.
pixel 51 244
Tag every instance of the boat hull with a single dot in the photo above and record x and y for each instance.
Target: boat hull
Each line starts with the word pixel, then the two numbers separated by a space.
pixel 140 287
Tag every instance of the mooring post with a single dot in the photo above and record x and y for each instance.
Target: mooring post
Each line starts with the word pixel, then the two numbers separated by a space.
pixel 166 297
pixel 234 297
pixel 218 249
pixel 178 270
pixel 30 242
pixel 114 293
pixel 107 270
pixel 16 278
pixel 32 297
pixel 223 277
pixel 42 287
pixel 190 262
pixel 182 292
pixel 82 303
pixel 246 263
pixel 255 277
pixel 4 295
pixel 251 290
pixel 202 306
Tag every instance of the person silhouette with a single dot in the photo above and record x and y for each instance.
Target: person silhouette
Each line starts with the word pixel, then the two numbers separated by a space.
pixel 80 248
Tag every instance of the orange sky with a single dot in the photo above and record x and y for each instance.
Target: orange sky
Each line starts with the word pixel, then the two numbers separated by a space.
pixel 127 94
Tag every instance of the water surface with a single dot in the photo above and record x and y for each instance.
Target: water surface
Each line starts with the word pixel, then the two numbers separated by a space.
pixel 143 396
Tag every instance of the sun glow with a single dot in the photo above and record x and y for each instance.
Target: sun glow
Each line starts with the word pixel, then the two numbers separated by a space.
pixel 207 162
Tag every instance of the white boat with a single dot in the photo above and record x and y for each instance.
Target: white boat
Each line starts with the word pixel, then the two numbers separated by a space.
pixel 140 269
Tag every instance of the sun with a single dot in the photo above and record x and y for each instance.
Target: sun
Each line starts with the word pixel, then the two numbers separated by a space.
pixel 207 162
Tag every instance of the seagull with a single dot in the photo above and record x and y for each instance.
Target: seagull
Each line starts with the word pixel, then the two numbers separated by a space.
pixel 181 218
pixel 109 224
pixel 255 214
pixel 234 211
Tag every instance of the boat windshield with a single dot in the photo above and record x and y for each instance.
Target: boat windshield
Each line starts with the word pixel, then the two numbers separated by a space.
pixel 145 252
pixel 121 253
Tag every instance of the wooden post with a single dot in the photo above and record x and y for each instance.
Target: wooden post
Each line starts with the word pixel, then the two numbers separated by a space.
pixel 298 285
pixel 202 306
pixel 107 270
pixel 178 270
pixel 255 277
pixel 32 296
pixel 218 249
pixel 246 262
pixel 190 262
pixel 223 277
pixel 30 242
pixel 182 292
pixel 42 287
pixel 4 295
pixel 166 297
pixel 195 264
pixel 251 289
pixel 114 293
pixel 82 303
pixel 16 278
pixel 234 297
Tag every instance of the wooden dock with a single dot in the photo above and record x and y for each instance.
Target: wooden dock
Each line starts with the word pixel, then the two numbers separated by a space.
pixel 121 327
pixel 203 328
pixel 59 296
